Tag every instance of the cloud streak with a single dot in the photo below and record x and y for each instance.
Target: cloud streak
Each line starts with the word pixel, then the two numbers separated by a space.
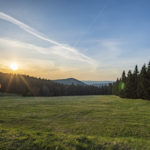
pixel 91 24
pixel 52 52
pixel 38 34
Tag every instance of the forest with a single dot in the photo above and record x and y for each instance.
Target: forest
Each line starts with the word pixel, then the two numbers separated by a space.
pixel 134 85
pixel 32 86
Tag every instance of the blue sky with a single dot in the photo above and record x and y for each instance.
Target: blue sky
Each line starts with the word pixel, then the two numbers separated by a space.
pixel 87 40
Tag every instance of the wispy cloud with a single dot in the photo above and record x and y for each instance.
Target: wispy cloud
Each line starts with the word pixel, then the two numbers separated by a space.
pixel 7 44
pixel 91 24
pixel 39 35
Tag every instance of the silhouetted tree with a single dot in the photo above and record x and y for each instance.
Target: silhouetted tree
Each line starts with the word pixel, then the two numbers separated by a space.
pixel 142 83
pixel 31 86
pixel 122 84
pixel 136 85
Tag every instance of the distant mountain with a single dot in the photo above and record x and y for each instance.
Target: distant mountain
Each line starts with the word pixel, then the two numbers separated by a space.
pixel 98 83
pixel 69 81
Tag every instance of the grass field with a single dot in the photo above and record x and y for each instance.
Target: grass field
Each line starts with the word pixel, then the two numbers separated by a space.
pixel 77 122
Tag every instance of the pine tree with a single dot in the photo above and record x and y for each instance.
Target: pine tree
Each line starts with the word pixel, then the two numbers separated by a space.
pixel 135 76
pixel 122 85
pixel 147 89
pixel 129 90
pixel 142 86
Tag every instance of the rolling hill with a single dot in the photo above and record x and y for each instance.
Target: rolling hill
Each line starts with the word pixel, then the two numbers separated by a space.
pixel 69 81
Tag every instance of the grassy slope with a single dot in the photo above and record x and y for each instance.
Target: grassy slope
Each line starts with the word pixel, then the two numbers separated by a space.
pixel 96 122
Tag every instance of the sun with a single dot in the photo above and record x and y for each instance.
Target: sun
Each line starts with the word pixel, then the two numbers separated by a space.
pixel 14 66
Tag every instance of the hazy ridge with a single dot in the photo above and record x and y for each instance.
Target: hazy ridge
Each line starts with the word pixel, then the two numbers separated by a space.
pixel 74 81
pixel 70 81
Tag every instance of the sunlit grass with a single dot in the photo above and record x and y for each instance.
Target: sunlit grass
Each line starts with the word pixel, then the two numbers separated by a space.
pixel 75 122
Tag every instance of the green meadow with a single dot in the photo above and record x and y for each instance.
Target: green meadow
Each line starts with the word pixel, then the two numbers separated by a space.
pixel 74 123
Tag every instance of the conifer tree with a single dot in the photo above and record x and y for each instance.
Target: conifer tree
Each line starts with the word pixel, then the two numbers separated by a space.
pixel 136 85
pixel 135 76
pixel 142 83
pixel 122 85
pixel 147 88
pixel 129 90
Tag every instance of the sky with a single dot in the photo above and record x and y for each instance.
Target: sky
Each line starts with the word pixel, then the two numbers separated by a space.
pixel 86 40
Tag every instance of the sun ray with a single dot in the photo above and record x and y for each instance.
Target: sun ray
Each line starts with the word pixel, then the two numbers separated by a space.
pixel 26 84
pixel 9 82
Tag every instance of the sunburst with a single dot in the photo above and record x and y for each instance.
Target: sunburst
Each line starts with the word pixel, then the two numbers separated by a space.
pixel 14 66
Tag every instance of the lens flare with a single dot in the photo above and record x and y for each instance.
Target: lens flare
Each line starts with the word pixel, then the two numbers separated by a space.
pixel 122 86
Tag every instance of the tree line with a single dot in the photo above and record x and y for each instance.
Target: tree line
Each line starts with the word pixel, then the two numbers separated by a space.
pixel 135 85
pixel 32 86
